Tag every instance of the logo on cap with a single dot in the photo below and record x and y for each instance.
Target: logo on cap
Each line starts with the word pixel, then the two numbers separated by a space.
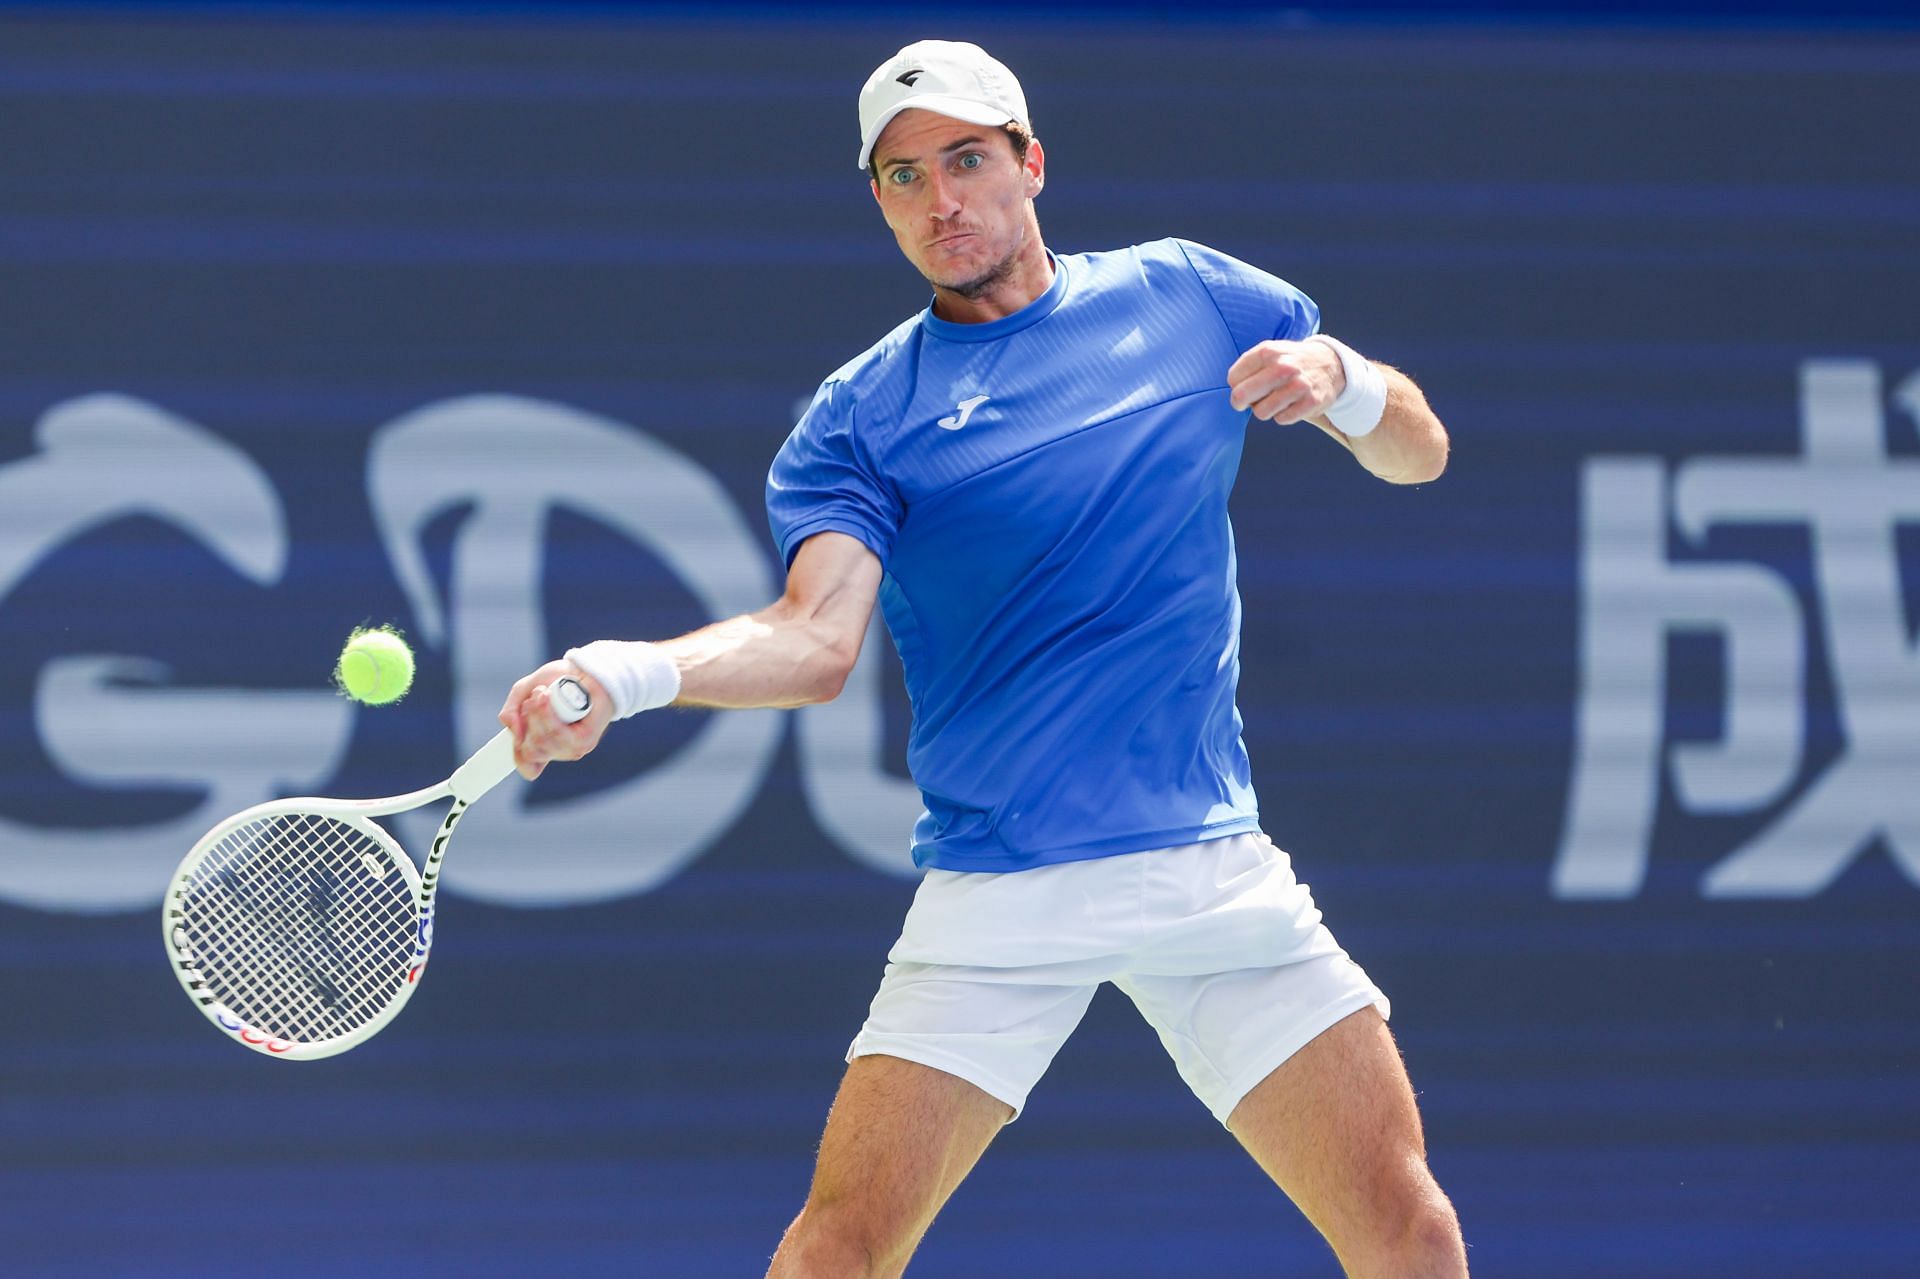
pixel 908 77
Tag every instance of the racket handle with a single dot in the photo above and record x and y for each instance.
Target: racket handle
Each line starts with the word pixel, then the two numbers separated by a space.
pixel 569 699
pixel 490 765
pixel 493 763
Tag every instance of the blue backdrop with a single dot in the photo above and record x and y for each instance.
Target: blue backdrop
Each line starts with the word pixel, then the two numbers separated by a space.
pixel 1599 753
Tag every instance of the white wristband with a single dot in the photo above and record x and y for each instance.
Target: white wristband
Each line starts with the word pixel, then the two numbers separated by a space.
pixel 1364 402
pixel 637 676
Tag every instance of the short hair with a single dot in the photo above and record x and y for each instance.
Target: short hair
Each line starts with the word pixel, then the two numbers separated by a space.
pixel 1017 133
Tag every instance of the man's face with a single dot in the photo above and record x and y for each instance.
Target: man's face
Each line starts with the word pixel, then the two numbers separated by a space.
pixel 956 197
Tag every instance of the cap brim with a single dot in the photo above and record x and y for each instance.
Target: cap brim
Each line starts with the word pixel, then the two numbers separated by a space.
pixel 964 109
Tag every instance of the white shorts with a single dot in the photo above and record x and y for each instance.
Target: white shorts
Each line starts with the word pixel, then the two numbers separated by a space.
pixel 1217 944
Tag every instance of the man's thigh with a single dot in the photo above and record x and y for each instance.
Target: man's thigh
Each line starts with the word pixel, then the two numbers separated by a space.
pixel 899 1140
pixel 903 1135
pixel 1336 1127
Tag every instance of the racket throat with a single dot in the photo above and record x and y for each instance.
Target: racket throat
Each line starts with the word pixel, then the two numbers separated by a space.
pixel 430 887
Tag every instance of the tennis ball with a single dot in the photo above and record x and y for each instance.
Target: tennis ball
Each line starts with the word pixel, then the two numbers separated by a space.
pixel 376 667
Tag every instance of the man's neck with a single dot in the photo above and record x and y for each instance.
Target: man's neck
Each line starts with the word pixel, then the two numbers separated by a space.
pixel 1032 275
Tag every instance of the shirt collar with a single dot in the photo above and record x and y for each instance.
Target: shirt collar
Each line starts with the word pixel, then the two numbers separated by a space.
pixel 1030 314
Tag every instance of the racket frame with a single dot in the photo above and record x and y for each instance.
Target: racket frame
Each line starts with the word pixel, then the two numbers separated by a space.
pixel 487 768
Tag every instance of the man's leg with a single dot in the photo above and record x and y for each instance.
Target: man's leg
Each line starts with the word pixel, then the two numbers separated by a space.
pixel 1335 1126
pixel 899 1139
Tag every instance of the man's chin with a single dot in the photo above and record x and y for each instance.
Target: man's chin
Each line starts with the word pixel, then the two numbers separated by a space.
pixel 970 289
pixel 973 285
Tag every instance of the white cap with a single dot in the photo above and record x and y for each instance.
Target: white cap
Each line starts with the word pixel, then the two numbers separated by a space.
pixel 948 77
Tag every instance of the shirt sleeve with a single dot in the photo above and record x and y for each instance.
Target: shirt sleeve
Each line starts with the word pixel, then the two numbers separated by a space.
pixel 824 480
pixel 1255 306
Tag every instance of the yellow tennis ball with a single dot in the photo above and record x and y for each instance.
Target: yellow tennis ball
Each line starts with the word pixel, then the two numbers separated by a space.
pixel 376 667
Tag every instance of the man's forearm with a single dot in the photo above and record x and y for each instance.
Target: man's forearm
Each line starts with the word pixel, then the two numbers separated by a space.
pixel 774 657
pixel 796 651
pixel 1409 446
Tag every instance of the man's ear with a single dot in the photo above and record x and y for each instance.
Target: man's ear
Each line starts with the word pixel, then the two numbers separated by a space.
pixel 1036 167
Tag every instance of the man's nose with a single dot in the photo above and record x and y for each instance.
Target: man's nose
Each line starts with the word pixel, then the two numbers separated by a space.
pixel 942 203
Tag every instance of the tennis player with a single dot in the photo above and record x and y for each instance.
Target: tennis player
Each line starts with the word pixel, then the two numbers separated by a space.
pixel 1031 476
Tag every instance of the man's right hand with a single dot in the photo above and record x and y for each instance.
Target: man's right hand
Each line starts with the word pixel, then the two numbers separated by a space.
pixel 539 735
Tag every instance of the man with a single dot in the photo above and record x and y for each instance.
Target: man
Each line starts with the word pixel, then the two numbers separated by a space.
pixel 1032 477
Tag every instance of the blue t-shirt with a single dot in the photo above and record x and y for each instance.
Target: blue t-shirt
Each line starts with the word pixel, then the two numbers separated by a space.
pixel 1048 495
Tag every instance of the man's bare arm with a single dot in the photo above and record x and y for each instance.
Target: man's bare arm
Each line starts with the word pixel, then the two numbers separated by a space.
pixel 796 651
pixel 1409 446
pixel 1286 382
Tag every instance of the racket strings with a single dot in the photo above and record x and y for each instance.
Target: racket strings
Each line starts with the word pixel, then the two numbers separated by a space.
pixel 302 925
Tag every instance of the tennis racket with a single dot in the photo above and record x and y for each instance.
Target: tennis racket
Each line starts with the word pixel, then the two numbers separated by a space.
pixel 301 928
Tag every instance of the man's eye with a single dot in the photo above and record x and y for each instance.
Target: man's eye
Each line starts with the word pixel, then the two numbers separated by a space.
pixel 972 160
pixel 900 177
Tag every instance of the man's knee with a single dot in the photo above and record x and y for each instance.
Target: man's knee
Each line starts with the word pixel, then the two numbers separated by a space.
pixel 1430 1228
pixel 841 1238
pixel 1409 1229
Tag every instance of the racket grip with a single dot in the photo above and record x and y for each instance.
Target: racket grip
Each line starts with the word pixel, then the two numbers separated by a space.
pixel 569 699
pixel 493 763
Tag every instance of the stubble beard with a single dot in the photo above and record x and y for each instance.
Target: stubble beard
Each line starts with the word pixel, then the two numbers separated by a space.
pixel 986 281
pixel 991 278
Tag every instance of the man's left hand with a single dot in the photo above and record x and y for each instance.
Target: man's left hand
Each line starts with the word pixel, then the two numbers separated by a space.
pixel 1286 382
